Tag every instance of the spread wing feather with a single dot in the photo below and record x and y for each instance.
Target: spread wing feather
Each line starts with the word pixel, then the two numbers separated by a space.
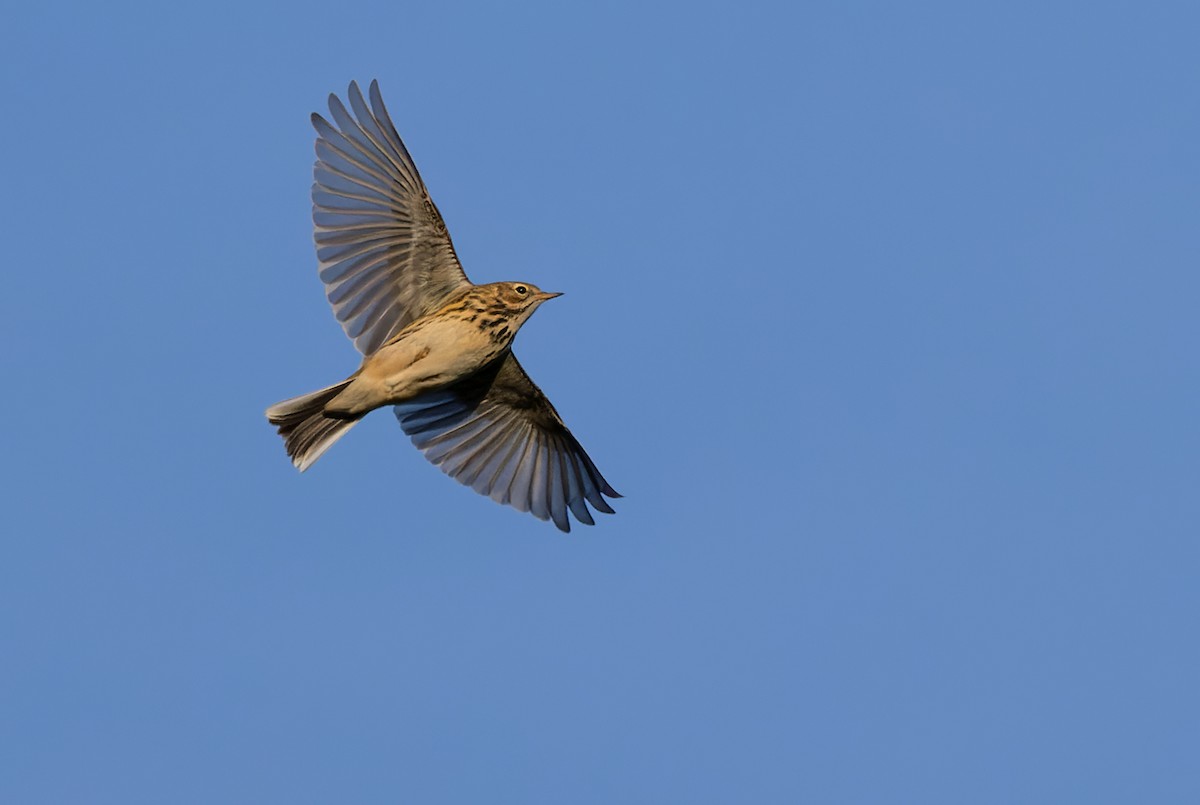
pixel 385 255
pixel 497 433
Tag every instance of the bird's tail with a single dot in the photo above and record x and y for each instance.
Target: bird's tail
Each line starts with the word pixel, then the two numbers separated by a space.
pixel 306 430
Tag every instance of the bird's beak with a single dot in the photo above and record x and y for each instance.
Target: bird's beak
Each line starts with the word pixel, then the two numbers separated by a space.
pixel 543 296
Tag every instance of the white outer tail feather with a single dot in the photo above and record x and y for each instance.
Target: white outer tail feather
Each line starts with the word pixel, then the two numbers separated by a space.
pixel 307 432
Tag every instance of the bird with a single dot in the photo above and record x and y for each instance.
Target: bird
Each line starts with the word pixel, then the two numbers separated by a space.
pixel 436 347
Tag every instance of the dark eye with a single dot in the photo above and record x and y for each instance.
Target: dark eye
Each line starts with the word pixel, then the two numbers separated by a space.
pixel 521 289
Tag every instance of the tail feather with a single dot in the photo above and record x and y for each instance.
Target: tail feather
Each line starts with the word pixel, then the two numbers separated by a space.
pixel 306 430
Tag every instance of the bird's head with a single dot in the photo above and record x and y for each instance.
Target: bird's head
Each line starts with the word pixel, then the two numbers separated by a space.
pixel 521 298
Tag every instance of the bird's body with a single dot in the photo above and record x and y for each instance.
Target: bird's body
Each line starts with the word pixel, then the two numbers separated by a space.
pixel 440 349
pixel 434 345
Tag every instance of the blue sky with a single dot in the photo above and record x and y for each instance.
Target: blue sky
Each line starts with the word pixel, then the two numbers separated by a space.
pixel 883 319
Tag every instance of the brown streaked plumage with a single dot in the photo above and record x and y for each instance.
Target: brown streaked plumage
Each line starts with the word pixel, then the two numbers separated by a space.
pixel 435 346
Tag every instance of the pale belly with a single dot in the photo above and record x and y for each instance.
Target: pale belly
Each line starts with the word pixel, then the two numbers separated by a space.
pixel 431 357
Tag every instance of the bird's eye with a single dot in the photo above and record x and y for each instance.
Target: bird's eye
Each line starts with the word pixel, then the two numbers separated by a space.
pixel 521 289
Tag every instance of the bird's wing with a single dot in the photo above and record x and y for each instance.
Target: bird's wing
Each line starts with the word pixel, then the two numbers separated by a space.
pixel 497 433
pixel 385 255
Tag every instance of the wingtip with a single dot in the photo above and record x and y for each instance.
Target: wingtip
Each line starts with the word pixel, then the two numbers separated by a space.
pixel 605 509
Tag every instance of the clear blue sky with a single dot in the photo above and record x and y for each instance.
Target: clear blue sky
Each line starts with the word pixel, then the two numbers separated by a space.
pixel 883 319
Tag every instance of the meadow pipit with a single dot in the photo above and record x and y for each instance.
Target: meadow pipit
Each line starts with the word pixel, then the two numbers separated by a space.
pixel 435 346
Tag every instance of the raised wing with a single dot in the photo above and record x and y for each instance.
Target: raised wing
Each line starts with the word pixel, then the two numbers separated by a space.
pixel 385 255
pixel 497 433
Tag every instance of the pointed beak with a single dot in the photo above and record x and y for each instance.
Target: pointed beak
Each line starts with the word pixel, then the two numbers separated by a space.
pixel 543 296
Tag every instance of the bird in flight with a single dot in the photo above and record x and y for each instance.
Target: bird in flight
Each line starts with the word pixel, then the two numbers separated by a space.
pixel 436 347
